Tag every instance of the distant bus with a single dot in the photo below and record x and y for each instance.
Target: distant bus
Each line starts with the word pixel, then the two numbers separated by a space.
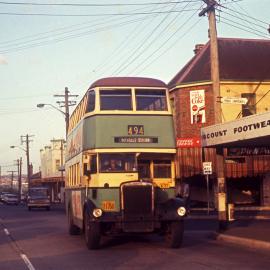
pixel 120 168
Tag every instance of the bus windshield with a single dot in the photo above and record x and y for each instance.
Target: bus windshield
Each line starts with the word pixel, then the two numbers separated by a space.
pixel 117 163
pixel 114 99
pixel 151 100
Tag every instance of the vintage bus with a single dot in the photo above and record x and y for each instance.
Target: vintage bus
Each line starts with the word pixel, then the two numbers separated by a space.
pixel 120 168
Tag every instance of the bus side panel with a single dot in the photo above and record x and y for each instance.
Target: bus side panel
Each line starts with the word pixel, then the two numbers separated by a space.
pixel 75 199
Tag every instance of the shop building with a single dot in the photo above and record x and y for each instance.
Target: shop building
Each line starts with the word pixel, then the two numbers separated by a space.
pixel 244 76
pixel 52 159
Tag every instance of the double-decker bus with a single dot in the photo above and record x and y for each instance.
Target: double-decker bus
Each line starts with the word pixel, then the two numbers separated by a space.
pixel 120 168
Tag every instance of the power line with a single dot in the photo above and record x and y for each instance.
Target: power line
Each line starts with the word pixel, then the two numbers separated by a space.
pixel 92 15
pixel 243 14
pixel 241 18
pixel 56 40
pixel 96 23
pixel 93 5
pixel 165 42
pixel 244 27
pixel 136 53
pixel 133 33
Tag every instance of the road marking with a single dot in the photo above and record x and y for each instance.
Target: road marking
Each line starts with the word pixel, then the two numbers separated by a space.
pixel 6 232
pixel 23 256
pixel 27 262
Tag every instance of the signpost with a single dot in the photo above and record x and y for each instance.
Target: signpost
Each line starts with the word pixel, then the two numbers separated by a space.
pixel 207 169
pixel 233 100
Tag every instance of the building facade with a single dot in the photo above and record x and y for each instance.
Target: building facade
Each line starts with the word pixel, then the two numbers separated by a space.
pixel 244 76
pixel 52 159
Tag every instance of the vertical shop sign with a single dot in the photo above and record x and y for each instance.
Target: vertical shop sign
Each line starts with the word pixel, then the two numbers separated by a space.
pixel 197 106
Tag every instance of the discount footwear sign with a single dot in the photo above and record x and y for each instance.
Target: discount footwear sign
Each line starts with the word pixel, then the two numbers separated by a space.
pixel 246 128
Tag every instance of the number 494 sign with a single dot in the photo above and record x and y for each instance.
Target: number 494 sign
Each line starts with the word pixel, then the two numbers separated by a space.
pixel 207 168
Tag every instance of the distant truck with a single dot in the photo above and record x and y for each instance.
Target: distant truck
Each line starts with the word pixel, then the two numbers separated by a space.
pixel 38 197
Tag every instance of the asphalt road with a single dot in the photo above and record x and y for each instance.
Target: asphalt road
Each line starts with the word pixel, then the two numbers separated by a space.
pixel 39 240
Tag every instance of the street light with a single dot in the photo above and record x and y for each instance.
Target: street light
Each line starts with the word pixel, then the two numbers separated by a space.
pixel 27 160
pixel 66 114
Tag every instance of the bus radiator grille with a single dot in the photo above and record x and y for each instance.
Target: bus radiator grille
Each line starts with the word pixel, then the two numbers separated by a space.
pixel 137 207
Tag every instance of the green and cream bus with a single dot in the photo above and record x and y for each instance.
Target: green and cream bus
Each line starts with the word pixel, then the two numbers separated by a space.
pixel 120 168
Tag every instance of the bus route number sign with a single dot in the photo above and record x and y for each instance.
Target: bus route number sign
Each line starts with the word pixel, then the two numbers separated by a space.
pixel 135 130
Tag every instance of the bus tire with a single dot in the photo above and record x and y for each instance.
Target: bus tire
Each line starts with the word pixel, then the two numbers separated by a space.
pixel 29 208
pixel 174 235
pixel 92 233
pixel 72 229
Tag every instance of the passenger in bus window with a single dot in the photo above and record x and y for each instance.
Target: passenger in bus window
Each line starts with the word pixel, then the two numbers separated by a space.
pixel 112 165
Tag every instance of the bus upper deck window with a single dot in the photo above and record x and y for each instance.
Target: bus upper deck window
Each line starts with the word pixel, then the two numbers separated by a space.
pixel 91 101
pixel 113 99
pixel 151 100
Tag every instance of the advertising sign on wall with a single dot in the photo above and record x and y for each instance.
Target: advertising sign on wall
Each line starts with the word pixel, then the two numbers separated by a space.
pixel 188 142
pixel 197 106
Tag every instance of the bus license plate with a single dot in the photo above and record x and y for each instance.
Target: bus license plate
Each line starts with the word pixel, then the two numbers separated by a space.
pixel 163 184
pixel 108 205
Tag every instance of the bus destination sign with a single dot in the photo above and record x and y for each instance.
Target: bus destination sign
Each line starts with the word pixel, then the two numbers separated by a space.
pixel 135 139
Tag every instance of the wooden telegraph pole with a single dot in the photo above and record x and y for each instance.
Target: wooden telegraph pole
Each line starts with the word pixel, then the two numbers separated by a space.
pixel 221 195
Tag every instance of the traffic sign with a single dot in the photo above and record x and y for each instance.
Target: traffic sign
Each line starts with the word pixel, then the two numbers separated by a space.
pixel 234 100
pixel 207 168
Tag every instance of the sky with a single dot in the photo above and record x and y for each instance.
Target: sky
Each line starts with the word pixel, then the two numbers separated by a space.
pixel 48 45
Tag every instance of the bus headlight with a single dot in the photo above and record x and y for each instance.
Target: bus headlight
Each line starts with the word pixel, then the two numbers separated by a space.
pixel 181 211
pixel 97 212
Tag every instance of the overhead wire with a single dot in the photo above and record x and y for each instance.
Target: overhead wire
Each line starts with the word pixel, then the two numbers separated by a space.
pixel 244 29
pixel 132 34
pixel 94 5
pixel 165 42
pixel 136 67
pixel 96 23
pixel 243 14
pixel 91 15
pixel 58 38
pixel 136 52
pixel 239 25
pixel 8 48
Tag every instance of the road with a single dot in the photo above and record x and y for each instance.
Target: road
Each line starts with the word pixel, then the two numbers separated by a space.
pixel 42 237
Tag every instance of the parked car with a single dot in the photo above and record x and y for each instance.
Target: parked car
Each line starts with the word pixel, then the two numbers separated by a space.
pixel 11 199
pixel 38 197
pixel 2 194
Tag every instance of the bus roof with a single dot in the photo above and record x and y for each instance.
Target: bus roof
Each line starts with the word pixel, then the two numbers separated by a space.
pixel 128 82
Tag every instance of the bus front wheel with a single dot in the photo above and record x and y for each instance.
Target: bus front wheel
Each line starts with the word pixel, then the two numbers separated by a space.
pixel 91 233
pixel 174 235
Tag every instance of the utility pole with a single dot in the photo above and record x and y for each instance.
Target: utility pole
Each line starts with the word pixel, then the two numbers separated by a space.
pixel 19 166
pixel 25 139
pixel 66 103
pixel 12 178
pixel 210 10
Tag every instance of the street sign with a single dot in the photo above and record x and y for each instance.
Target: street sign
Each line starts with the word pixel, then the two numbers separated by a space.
pixel 207 168
pixel 234 100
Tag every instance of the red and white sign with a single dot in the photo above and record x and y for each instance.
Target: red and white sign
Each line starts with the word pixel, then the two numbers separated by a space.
pixel 188 142
pixel 197 106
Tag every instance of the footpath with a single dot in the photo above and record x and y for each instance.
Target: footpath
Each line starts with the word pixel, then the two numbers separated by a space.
pixel 250 227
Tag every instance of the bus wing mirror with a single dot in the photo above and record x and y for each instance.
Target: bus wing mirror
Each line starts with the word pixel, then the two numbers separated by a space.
pixel 86 170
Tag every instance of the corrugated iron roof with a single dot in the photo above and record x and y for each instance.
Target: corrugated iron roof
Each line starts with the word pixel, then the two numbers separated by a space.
pixel 128 82
pixel 239 60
